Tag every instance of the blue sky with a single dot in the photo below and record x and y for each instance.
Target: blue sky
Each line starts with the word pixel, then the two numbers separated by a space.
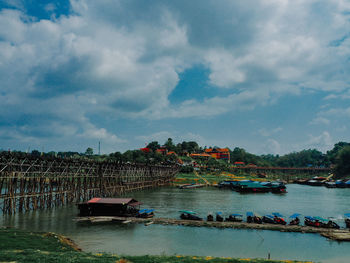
pixel 270 76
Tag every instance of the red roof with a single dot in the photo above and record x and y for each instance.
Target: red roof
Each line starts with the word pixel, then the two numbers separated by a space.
pixel 115 201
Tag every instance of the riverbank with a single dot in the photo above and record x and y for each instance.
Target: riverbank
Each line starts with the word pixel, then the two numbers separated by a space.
pixel 25 246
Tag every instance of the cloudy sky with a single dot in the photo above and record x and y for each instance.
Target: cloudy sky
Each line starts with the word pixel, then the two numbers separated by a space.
pixel 270 76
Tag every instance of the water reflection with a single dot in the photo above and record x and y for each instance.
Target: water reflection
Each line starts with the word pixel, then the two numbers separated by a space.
pixel 157 239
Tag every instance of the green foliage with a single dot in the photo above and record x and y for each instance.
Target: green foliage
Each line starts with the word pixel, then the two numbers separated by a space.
pixel 332 154
pixel 153 146
pixel 186 169
pixel 89 151
pixel 343 162
pixel 169 145
pixel 240 155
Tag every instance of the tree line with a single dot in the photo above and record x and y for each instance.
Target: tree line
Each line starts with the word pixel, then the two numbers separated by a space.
pixel 337 158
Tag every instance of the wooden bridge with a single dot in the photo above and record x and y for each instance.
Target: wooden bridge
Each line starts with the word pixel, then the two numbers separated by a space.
pixel 30 183
pixel 286 171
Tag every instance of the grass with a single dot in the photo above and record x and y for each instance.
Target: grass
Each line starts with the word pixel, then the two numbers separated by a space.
pixel 25 246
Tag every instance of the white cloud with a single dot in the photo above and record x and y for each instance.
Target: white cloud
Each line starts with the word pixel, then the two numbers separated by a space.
pixel 273 146
pixel 320 120
pixel 323 142
pixel 122 59
pixel 269 132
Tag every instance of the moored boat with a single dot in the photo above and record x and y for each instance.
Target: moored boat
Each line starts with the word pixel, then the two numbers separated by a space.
pixel 189 215
pixel 347 220
pixel 295 219
pixel 330 184
pixel 234 218
pixel 219 217
pixel 278 219
pixel 146 213
pixel 268 219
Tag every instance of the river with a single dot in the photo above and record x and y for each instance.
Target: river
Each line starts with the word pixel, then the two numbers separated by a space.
pixel 158 239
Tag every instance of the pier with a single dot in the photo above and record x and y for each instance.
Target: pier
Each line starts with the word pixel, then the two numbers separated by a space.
pixel 333 234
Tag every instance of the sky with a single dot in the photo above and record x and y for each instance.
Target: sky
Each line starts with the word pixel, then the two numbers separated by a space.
pixel 269 76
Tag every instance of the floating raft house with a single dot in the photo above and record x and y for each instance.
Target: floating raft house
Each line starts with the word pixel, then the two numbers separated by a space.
pixel 109 207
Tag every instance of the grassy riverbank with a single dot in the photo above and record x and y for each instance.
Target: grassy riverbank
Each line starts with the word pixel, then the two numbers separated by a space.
pixel 24 246
pixel 211 177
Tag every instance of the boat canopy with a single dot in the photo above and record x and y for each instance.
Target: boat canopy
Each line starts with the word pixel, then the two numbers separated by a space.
pixel 269 216
pixel 320 218
pixel 250 214
pixel 236 215
pixel 277 214
pixel 187 212
pixel 309 217
pixel 295 215
pixel 347 214
pixel 219 213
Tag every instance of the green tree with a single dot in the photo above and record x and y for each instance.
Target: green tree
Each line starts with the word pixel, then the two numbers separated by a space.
pixel 153 146
pixel 89 151
pixel 342 161
pixel 170 145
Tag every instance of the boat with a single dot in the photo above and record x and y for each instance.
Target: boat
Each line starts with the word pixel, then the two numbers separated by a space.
pixel 278 219
pixel 257 219
pixel 347 220
pixel 277 187
pixel 210 217
pixel 314 182
pixel 125 207
pixel 189 215
pixel 330 185
pixel 295 219
pixel 250 216
pixel 219 217
pixel 347 183
pixel 190 186
pixel 268 219
pixel 234 218
pixel 227 184
pixel 340 184
pixel 146 213
pixel 326 223
pixel 252 187
pixel 311 221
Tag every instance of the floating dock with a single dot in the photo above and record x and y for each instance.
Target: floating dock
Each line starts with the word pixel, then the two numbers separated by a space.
pixel 333 234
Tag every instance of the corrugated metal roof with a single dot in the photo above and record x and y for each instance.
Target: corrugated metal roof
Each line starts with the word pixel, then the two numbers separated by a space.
pixel 122 201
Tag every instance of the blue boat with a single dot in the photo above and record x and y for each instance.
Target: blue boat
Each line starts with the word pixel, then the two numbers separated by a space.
pixel 250 216
pixel 295 219
pixel 340 184
pixel 146 213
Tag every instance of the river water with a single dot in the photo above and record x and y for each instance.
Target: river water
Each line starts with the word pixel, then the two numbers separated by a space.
pixel 158 239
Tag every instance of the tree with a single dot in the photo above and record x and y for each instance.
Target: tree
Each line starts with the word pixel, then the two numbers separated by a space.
pixel 170 145
pixel 342 168
pixel 89 151
pixel 153 146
